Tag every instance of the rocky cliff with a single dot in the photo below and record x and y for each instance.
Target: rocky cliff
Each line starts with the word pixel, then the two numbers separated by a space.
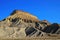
pixel 22 24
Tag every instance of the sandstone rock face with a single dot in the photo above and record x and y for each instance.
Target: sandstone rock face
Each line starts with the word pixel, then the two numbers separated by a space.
pixel 22 24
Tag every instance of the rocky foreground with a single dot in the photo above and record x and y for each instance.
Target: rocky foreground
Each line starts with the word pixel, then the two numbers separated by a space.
pixel 22 24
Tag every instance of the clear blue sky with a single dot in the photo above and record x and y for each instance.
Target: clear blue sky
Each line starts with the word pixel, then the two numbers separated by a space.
pixel 43 9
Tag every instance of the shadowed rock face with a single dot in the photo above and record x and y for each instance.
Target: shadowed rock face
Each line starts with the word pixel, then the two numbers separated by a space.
pixel 22 24
pixel 51 28
pixel 30 30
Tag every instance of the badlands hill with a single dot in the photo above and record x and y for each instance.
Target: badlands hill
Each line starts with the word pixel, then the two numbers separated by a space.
pixel 22 24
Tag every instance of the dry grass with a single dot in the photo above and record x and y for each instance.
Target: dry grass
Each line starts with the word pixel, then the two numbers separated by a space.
pixel 37 38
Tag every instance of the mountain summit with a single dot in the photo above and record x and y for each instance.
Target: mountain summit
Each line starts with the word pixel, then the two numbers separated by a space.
pixel 22 24
pixel 22 14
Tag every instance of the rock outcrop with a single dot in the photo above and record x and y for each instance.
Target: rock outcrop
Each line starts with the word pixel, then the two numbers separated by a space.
pixel 22 24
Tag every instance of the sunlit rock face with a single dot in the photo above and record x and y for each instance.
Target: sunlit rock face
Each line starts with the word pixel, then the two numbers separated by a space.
pixel 22 24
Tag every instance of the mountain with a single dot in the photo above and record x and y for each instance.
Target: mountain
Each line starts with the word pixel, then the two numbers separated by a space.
pixel 22 24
